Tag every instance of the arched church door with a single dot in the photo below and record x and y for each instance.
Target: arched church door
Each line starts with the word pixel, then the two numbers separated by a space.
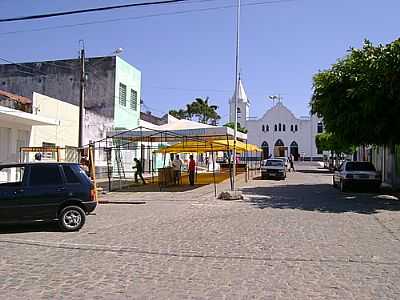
pixel 279 149
pixel 265 150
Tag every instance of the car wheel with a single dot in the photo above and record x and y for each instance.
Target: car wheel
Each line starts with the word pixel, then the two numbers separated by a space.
pixel 343 187
pixel 71 218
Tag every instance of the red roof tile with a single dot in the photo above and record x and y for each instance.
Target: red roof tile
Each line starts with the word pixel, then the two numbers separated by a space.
pixel 21 99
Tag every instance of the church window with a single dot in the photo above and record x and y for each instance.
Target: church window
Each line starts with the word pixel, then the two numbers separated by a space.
pixel 284 127
pixel 291 127
pixel 263 128
pixel 276 127
pixel 295 127
pixel 280 127
pixel 267 127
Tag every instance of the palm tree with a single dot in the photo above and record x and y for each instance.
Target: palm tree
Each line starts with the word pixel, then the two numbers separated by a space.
pixel 203 111
pixel 199 109
pixel 179 114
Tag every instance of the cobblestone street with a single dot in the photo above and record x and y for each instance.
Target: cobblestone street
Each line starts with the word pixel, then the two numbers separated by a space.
pixel 293 239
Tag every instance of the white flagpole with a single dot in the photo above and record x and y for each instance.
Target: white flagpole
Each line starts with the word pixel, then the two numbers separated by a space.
pixel 237 77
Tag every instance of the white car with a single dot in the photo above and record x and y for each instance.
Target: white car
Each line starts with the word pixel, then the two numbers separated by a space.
pixel 273 168
pixel 352 173
pixel 285 161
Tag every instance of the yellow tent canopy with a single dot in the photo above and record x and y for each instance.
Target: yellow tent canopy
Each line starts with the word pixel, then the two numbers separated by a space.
pixel 208 146
pixel 253 148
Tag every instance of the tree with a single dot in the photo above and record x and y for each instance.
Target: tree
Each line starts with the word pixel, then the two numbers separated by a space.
pixel 180 114
pixel 199 109
pixel 329 142
pixel 359 96
pixel 239 128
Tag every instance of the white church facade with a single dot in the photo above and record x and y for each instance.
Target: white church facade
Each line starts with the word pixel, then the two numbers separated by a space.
pixel 279 132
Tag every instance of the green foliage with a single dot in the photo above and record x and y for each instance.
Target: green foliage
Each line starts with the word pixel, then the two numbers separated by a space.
pixel 239 128
pixel 200 110
pixel 329 142
pixel 359 96
pixel 180 114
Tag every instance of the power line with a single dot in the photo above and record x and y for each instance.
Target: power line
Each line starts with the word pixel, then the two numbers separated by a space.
pixel 179 12
pixel 89 10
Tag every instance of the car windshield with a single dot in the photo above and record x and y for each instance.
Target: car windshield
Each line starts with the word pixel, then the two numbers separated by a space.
pixel 274 163
pixel 359 166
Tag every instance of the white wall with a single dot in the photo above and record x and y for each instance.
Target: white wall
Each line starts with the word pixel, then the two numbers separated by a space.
pixel 244 112
pixel 12 137
pixel 64 134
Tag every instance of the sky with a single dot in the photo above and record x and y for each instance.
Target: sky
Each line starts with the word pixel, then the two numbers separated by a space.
pixel 185 56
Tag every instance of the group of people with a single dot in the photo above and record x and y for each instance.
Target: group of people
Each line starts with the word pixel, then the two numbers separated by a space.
pixel 176 165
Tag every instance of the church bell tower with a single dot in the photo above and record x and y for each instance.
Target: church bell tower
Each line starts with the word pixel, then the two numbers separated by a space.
pixel 243 107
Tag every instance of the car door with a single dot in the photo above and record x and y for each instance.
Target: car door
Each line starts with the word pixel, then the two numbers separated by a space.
pixel 12 181
pixel 45 191
pixel 76 186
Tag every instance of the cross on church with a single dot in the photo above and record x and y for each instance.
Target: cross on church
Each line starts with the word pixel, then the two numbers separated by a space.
pixel 276 97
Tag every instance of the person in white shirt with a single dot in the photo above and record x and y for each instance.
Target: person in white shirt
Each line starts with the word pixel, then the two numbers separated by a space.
pixel 177 167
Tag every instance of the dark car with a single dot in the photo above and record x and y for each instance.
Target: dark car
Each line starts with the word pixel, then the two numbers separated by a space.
pixel 46 191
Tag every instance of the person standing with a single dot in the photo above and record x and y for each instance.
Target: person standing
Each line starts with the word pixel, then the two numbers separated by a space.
pixel 291 164
pixel 177 166
pixel 192 169
pixel 139 170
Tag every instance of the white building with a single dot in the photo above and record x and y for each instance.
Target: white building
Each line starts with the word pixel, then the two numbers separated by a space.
pixel 45 122
pixel 279 132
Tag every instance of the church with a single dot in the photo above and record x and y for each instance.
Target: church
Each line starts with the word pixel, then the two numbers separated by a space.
pixel 278 131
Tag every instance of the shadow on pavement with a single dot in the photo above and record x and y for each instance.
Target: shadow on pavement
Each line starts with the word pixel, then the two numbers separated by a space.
pixel 155 188
pixel 320 198
pixel 263 179
pixel 29 227
pixel 315 171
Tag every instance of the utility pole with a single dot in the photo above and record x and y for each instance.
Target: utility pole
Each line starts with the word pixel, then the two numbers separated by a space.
pixel 82 97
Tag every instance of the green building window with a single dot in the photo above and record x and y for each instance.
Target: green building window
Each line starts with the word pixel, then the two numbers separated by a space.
pixel 133 99
pixel 122 94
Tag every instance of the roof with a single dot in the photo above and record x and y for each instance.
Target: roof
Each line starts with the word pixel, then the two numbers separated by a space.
pixel 169 122
pixel 242 94
pixel 20 99
pixel 208 146
pixel 9 165
pixel 176 124
pixel 160 134
pixel 13 116
pixel 276 111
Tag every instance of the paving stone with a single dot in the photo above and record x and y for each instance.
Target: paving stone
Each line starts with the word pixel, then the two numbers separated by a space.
pixel 293 239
